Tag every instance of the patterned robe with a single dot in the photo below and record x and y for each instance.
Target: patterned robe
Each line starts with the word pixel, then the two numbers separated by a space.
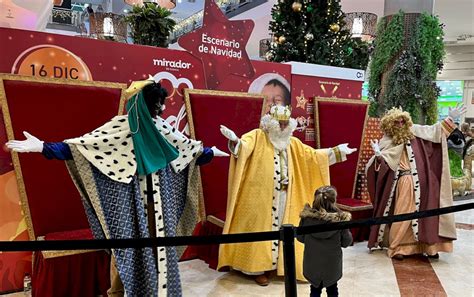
pixel 107 154
pixel 413 177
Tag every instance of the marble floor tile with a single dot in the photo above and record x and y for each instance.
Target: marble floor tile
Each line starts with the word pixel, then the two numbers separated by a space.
pixel 415 274
pixel 455 271
pixel 365 274
pixel 466 216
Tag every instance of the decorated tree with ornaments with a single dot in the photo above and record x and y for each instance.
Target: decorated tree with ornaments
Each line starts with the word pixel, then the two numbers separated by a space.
pixel 313 31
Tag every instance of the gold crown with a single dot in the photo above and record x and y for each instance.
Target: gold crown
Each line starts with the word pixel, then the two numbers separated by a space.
pixel 137 86
pixel 280 112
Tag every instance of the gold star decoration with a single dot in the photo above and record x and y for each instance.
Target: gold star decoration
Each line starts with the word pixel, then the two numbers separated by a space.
pixel 301 100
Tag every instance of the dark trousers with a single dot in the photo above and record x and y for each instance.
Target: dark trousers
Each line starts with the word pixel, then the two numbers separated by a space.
pixel 331 290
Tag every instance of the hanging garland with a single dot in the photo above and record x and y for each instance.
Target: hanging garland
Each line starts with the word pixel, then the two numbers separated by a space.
pixel 429 47
pixel 388 44
pixel 430 41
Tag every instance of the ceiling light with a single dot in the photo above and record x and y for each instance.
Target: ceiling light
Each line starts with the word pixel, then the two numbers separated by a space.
pixel 108 26
pixel 361 24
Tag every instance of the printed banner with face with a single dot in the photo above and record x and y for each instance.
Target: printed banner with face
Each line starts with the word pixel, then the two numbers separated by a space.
pixel 56 56
pixel 270 79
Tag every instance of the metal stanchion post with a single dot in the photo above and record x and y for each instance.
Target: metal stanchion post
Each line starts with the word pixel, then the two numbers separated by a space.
pixel 287 235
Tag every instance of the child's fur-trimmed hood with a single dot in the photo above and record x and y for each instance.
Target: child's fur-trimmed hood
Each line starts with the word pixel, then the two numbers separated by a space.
pixel 310 213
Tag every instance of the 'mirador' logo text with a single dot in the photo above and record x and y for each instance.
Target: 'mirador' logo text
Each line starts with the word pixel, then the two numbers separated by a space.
pixel 173 64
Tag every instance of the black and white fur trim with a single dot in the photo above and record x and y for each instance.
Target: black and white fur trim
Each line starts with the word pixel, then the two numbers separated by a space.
pixel 276 205
pixel 189 149
pixel 110 149
pixel 416 185
pixel 387 208
pixel 160 228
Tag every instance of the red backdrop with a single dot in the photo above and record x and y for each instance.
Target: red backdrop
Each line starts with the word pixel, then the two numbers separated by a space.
pixel 56 112
pixel 308 87
pixel 242 84
pixel 44 54
pixel 341 122
pixel 238 113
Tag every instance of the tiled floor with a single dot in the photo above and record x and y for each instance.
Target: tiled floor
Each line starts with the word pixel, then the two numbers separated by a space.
pixel 365 274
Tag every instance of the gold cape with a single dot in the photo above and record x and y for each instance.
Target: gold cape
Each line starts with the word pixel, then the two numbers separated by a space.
pixel 250 192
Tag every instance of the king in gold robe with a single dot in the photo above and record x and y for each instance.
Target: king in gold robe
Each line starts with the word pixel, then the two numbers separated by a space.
pixel 272 175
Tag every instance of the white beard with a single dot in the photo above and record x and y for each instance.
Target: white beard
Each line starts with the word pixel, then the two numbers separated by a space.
pixel 280 139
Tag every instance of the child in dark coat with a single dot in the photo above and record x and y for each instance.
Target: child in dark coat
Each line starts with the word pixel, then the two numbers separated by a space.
pixel 322 261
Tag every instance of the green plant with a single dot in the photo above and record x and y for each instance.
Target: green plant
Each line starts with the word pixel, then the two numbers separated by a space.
pixel 455 164
pixel 402 85
pixel 314 33
pixel 429 37
pixel 430 48
pixel 358 54
pixel 389 42
pixel 411 82
pixel 430 105
pixel 150 24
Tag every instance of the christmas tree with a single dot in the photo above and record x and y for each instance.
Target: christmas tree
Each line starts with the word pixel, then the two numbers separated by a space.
pixel 313 31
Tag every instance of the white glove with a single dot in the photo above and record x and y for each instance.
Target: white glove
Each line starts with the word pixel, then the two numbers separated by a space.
pixel 375 146
pixel 218 153
pixel 30 145
pixel 345 149
pixel 457 111
pixel 229 134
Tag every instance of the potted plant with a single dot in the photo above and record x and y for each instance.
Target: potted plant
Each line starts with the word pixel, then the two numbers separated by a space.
pixel 150 24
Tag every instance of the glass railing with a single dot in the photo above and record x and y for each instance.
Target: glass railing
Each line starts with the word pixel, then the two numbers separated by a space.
pixel 194 21
pixel 66 17
pixel 79 19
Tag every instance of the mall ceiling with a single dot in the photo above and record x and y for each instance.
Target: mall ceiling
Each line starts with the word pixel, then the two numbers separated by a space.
pixel 457 15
